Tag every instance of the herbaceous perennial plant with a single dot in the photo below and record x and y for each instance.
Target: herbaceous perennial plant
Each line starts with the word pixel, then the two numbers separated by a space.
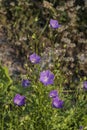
pixel 47 78
pixel 38 107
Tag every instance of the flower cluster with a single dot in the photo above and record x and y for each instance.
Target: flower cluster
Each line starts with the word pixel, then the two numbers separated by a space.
pixel 46 77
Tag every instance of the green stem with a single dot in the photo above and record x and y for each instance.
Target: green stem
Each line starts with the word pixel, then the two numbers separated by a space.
pixel 37 43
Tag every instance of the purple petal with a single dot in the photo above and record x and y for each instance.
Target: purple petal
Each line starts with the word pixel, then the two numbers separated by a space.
pixel 57 103
pixel 34 58
pixel 19 100
pixel 47 77
pixel 53 94
pixel 54 24
pixel 25 82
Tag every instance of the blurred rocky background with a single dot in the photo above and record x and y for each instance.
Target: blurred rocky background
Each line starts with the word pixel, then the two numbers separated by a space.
pixel 24 28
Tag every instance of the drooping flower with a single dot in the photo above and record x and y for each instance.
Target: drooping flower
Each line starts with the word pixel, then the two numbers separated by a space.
pixel 54 24
pixel 19 100
pixel 53 94
pixel 25 82
pixel 57 103
pixel 85 85
pixel 34 58
pixel 46 77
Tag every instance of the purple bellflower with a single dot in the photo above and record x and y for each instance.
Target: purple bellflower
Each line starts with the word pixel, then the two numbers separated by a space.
pixel 19 100
pixel 57 103
pixel 25 82
pixel 46 77
pixel 54 24
pixel 34 58
pixel 53 94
